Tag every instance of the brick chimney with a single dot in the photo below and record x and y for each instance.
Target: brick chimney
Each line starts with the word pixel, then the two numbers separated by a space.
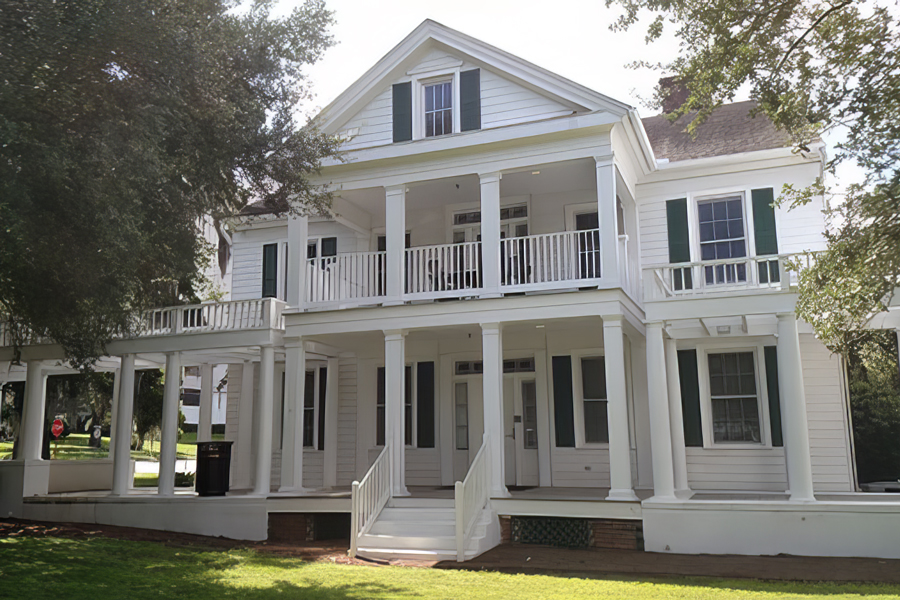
pixel 673 93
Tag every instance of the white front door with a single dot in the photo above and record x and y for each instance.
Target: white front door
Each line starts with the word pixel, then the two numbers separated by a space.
pixel 468 423
pixel 520 429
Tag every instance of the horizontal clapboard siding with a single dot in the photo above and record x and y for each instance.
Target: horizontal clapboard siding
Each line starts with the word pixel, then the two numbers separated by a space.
pixel 829 435
pixel 375 123
pixel 569 467
pixel 761 469
pixel 423 466
pixel 313 461
pixel 506 103
pixel 346 457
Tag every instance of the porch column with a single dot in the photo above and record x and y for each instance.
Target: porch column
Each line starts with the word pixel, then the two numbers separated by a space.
pixel 124 413
pixel 298 235
pixel 332 397
pixel 204 422
pixel 292 426
pixel 395 231
pixel 117 379
pixel 266 402
pixel 660 424
pixel 492 380
pixel 793 410
pixel 394 406
pixel 169 435
pixel 679 457
pixel 606 213
pixel 242 456
pixel 620 479
pixel 490 234
pixel 31 436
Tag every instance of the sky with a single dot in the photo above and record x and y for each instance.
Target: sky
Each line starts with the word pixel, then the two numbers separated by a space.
pixel 568 37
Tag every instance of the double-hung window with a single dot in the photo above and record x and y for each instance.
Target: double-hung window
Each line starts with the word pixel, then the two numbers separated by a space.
pixel 593 388
pixel 734 397
pixel 438 109
pixel 723 237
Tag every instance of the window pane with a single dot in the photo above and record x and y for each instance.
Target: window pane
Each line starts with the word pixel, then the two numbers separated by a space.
pixel 529 416
pixel 593 378
pixel 595 422
pixel 736 420
pixel 429 125
pixel 429 98
pixel 462 415
pixel 309 390
pixel 448 122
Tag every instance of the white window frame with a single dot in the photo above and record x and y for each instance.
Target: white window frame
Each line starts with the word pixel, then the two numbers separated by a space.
pixel 506 202
pixel 694 198
pixel 316 368
pixel 706 413
pixel 419 81
pixel 413 400
pixel 578 396
pixel 454 102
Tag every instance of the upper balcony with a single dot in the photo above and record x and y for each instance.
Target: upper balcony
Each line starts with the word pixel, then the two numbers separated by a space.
pixel 562 226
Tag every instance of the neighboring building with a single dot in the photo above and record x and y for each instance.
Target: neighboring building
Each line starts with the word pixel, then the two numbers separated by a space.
pixel 529 304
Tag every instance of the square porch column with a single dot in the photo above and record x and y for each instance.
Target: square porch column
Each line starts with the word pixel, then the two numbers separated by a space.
pixel 793 410
pixel 168 444
pixel 679 455
pixel 606 213
pixel 204 421
pixel 620 478
pixel 242 453
pixel 124 425
pixel 660 424
pixel 395 404
pixel 292 426
pixel 332 397
pixel 298 236
pixel 266 402
pixel 395 232
pixel 490 234
pixel 492 380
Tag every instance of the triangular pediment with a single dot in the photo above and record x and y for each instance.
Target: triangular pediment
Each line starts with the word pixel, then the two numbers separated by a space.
pixel 513 91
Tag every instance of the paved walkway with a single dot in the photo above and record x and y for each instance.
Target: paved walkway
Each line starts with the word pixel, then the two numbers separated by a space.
pixel 522 558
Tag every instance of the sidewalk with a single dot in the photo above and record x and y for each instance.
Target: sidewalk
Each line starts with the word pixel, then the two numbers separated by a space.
pixel 523 558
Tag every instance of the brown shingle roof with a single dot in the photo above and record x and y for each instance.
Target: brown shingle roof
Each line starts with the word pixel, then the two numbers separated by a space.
pixel 729 130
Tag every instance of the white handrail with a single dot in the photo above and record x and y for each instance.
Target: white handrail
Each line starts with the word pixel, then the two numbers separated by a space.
pixel 260 313
pixel 369 496
pixel 346 276
pixel 443 268
pixel 471 495
pixel 550 257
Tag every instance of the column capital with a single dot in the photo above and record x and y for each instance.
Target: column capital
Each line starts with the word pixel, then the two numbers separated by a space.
pixel 604 161
pixel 395 190
pixel 490 177
pixel 491 328
pixel 393 335
pixel 613 320
pixel 293 342
pixel 655 325
pixel 786 316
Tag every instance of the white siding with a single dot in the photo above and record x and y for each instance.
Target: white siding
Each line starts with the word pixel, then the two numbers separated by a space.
pixel 580 467
pixel 829 435
pixel 375 123
pixel 346 454
pixel 423 466
pixel 758 470
pixel 313 461
pixel 246 279
pixel 506 103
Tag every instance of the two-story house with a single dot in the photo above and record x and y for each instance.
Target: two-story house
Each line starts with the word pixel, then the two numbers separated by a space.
pixel 532 316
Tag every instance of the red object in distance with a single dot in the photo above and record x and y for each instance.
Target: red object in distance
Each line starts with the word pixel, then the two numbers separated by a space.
pixel 57 428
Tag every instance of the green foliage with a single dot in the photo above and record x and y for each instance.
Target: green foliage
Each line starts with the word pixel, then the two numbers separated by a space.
pixel 81 568
pixel 122 124
pixel 875 406
pixel 148 404
pixel 813 68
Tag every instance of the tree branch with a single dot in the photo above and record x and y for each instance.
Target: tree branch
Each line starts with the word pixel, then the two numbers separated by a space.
pixel 815 24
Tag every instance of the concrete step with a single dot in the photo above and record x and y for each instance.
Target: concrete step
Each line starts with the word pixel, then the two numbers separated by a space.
pixel 402 542
pixel 419 515
pixel 401 502
pixel 394 554
pixel 414 528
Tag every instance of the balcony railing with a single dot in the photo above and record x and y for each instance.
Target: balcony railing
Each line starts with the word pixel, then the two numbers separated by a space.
pixel 714 277
pixel 352 276
pixel 262 313
pixel 443 271
pixel 545 261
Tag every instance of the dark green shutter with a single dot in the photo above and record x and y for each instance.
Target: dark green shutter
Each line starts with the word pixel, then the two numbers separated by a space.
pixel 764 222
pixel 690 398
pixel 323 377
pixel 270 271
pixel 402 102
pixel 425 405
pixel 677 222
pixel 470 100
pixel 380 401
pixel 563 402
pixel 774 397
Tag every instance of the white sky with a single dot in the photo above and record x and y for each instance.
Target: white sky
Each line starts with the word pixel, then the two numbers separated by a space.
pixel 569 37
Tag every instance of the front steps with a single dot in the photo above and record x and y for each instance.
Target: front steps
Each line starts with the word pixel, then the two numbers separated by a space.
pixel 425 529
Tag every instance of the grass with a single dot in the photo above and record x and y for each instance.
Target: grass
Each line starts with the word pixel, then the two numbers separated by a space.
pixel 152 480
pixel 75 447
pixel 75 569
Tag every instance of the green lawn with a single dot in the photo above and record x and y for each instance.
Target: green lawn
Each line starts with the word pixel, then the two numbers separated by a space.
pixel 75 447
pixel 54 568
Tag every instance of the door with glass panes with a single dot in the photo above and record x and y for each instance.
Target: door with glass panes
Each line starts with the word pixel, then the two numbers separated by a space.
pixel 587 227
pixel 520 429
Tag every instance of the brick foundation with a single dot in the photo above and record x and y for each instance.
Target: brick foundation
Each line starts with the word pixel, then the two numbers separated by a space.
pixel 290 527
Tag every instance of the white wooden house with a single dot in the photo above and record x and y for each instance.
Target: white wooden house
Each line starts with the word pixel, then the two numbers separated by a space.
pixel 528 304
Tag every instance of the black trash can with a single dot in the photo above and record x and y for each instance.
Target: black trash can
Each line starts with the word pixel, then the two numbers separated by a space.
pixel 213 468
pixel 96 435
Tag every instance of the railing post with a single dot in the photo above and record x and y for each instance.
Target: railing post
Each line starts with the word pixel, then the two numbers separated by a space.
pixel 459 503
pixel 354 518
pixel 177 315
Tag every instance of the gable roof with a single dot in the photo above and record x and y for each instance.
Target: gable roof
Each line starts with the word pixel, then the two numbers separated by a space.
pixel 730 129
pixel 431 34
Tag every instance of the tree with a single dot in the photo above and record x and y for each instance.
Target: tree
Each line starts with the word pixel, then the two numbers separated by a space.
pixel 121 124
pixel 148 404
pixel 814 68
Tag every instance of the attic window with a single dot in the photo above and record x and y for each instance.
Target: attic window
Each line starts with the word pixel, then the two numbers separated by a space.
pixel 438 109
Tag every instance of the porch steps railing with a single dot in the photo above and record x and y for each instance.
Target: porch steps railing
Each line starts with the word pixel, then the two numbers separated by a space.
pixel 368 497
pixel 470 497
